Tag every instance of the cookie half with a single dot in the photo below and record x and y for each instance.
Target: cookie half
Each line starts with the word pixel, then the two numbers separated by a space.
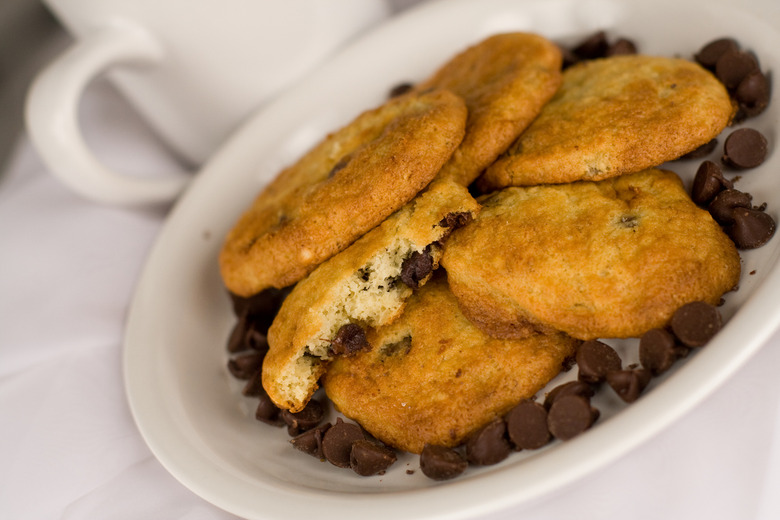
pixel 327 313
pixel 346 185
pixel 505 81
pixel 608 259
pixel 613 116
pixel 433 377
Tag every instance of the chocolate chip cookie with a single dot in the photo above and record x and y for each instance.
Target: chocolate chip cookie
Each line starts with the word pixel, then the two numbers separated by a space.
pixel 604 259
pixel 327 314
pixel 505 81
pixel 613 116
pixel 346 185
pixel 434 378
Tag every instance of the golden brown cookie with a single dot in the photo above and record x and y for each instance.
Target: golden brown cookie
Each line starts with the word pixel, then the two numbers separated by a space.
pixel 366 285
pixel 504 80
pixel 604 259
pixel 613 116
pixel 433 377
pixel 346 185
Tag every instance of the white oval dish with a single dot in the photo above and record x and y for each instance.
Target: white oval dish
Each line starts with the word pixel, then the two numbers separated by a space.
pixel 191 413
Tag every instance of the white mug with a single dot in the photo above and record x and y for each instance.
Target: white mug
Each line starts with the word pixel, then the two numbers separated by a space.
pixel 193 69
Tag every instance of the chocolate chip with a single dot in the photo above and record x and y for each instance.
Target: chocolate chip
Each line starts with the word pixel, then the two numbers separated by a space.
pixel 745 148
pixel 725 203
pixel 368 458
pixel 264 303
pixel 400 89
pixel 658 351
pixel 629 384
pixel 569 416
pixel 266 410
pixel 237 338
pixel 594 46
pixel 695 323
pixel 441 463
pixel 702 151
pixel 568 57
pixel 416 268
pixel 621 47
pixel 338 166
pixel 254 386
pixel 733 66
pixel 304 420
pixel 245 366
pixel 489 445
pixel 349 339
pixel 752 93
pixel 570 388
pixel 595 359
pixel 526 425
pixel 709 181
pixel 337 442
pixel 310 441
pixel 708 56
pixel 751 228
pixel 456 220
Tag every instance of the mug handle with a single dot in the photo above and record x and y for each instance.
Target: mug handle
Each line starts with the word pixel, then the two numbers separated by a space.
pixel 52 117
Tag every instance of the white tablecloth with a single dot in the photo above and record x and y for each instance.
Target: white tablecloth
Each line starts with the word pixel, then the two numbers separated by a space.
pixel 69 448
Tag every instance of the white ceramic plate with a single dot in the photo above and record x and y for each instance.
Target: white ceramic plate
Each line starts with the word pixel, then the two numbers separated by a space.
pixel 191 412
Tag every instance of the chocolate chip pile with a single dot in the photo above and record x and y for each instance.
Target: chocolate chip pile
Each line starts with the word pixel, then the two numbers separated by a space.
pixel 566 411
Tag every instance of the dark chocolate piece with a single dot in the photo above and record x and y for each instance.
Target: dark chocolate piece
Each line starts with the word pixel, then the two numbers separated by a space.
pixel 306 419
pixel 595 359
pixel 753 93
pixel 526 425
pixel 702 151
pixel 592 47
pixel 733 66
pixel 266 410
pixel 658 351
pixel 745 148
pixel 752 228
pixel 441 463
pixel 349 339
pixel 629 384
pixel 708 56
pixel 695 323
pixel 416 268
pixel 400 89
pixel 245 365
pixel 621 47
pixel 254 386
pixel 489 445
pixel 569 416
pixel 337 442
pixel 310 441
pixel 571 388
pixel 368 458
pixel 709 181
pixel 725 203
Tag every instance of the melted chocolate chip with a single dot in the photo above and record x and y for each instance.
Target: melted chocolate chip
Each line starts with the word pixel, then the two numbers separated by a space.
pixel 337 442
pixel 489 445
pixel 752 228
pixel 595 359
pixel 416 268
pixel 709 181
pixel 725 203
pixel 456 220
pixel 745 148
pixel 571 388
pixel 349 339
pixel 304 420
pixel 441 463
pixel 338 166
pixel 708 56
pixel 526 425
pixel 368 458
pixel 629 384
pixel 569 416
pixel 695 323
pixel 658 351
pixel 310 441
pixel 246 365
pixel 400 89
